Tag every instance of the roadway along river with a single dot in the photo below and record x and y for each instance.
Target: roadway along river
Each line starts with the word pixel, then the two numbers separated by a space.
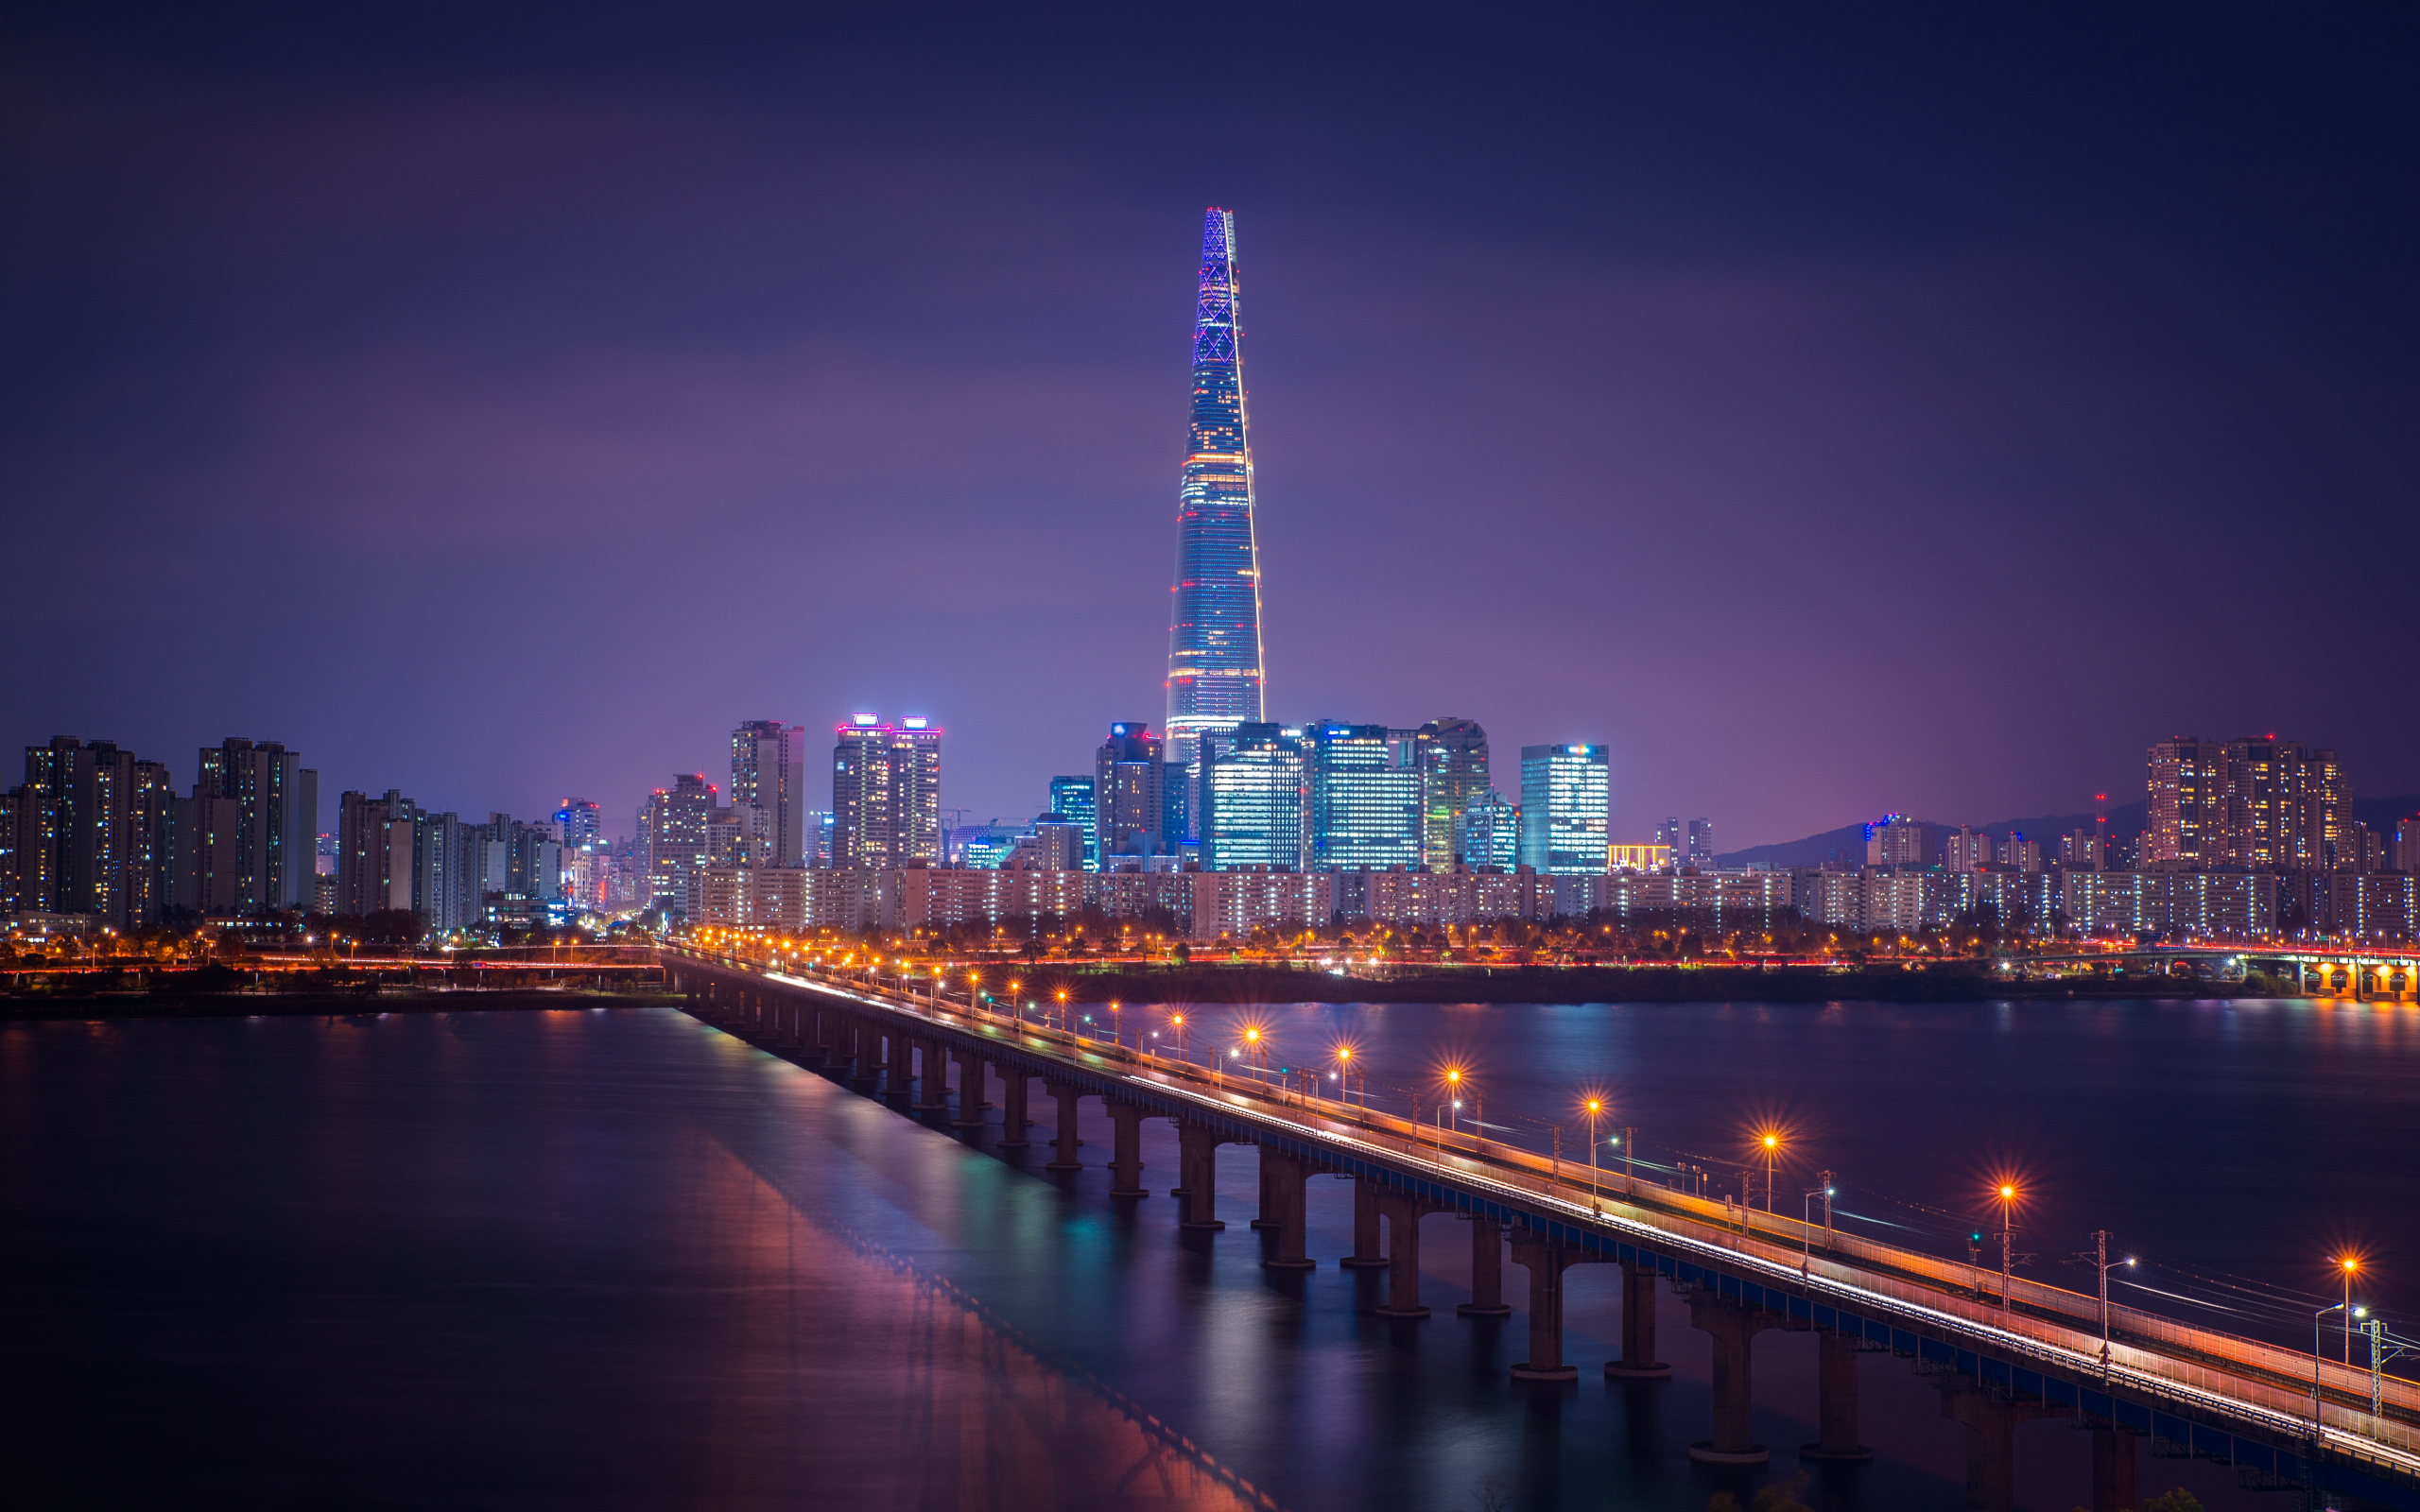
pixel 614 1257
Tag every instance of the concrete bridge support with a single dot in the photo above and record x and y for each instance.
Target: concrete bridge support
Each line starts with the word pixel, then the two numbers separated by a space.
pixel 1267 1217
pixel 1366 1253
pixel 1638 1361
pixel 1014 1115
pixel 894 1064
pixel 1403 1212
pixel 1546 1260
pixel 2114 1467
pixel 970 1090
pixel 932 1083
pixel 865 1043
pixel 1126 1150
pixel 1834 1401
pixel 1063 1154
pixel 1991 1442
pixel 1199 1147
pixel 1731 1327
pixel 823 1054
pixel 1487 1270
pixel 1283 1178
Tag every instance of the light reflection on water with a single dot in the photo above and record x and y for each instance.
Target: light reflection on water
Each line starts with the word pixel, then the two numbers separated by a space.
pixel 569 1257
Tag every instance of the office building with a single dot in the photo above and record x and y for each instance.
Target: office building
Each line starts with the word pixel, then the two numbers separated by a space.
pixel 1487 834
pixel 1700 852
pixel 1255 789
pixel 1071 799
pixel 1451 754
pixel 886 794
pixel 1366 807
pixel 1213 631
pixel 769 790
pixel 1130 775
pixel 1565 790
pixel 581 823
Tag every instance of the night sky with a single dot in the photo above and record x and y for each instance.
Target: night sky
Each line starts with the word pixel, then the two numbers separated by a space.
pixel 1833 413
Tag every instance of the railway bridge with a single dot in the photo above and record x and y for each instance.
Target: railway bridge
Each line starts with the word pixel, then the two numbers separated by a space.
pixel 2282 1420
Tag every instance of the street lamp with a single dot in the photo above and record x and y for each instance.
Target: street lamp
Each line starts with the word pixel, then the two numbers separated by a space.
pixel 2345 1266
pixel 2099 1258
pixel 1063 1010
pixel 1345 1077
pixel 1807 1223
pixel 1251 1043
pixel 2007 1236
pixel 1596 1106
pixel 2318 1430
pixel 1453 1086
pixel 1771 1140
pixel 1178 1020
pixel 1116 1025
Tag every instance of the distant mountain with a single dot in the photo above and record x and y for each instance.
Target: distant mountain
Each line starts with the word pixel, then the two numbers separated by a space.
pixel 2125 823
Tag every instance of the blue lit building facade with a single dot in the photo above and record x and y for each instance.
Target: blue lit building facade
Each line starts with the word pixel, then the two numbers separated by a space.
pixel 1255 790
pixel 1365 797
pixel 1074 799
pixel 1563 794
pixel 1487 834
pixel 1214 632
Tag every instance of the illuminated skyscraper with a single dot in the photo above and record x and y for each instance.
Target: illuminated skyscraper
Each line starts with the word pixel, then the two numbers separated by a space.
pixel 886 794
pixel 1365 797
pixel 1214 631
pixel 1453 775
pixel 1256 790
pixel 1563 793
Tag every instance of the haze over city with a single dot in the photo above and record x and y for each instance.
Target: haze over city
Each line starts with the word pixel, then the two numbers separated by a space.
pixel 1833 417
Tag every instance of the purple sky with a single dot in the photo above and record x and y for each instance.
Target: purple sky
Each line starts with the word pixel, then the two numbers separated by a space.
pixel 1833 414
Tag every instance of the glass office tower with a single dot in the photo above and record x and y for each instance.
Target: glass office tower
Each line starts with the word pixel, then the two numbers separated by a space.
pixel 1255 789
pixel 1365 797
pixel 1563 793
pixel 1214 634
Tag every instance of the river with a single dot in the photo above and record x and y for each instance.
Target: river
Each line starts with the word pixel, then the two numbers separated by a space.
pixel 615 1257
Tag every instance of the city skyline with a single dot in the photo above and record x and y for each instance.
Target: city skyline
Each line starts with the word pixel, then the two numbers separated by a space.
pixel 1699 457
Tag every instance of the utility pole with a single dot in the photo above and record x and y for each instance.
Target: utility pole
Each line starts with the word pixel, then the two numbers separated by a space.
pixel 1558 1152
pixel 1630 1160
pixel 1827 1210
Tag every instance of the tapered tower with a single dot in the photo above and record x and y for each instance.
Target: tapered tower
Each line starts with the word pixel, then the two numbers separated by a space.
pixel 1214 630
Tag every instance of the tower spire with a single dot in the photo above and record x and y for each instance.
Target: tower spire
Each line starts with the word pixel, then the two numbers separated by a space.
pixel 1213 629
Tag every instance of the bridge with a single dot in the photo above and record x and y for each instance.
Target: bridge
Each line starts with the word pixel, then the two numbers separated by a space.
pixel 2371 974
pixel 2281 1419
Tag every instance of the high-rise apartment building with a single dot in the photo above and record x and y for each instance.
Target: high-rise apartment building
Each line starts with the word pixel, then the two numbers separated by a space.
pixel 1699 851
pixel 1256 795
pixel 275 823
pixel 1965 850
pixel 1214 634
pixel 1072 799
pixel 1895 840
pixel 769 790
pixel 1669 835
pixel 887 794
pixel 673 838
pixel 1487 834
pixel 1366 808
pixel 1452 757
pixel 2185 821
pixel 2259 803
pixel 88 832
pixel 1564 791
pixel 1129 779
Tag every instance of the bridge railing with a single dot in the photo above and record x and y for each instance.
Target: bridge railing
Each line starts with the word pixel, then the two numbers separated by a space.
pixel 2207 1361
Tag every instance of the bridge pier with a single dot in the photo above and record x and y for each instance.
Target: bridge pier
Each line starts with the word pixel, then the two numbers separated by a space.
pixel 894 1064
pixel 1267 1217
pixel 1487 1270
pixel 932 1086
pixel 2114 1464
pixel 1126 1149
pixel 1366 1254
pixel 1283 1178
pixel 823 1039
pixel 970 1090
pixel 1991 1441
pixel 1638 1361
pixel 1199 1145
pixel 1546 1260
pixel 1730 1328
pixel 864 1043
pixel 1062 1155
pixel 1015 1083
pixel 1836 1401
pixel 1403 1212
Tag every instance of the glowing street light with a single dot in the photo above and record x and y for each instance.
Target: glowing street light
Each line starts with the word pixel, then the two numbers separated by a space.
pixel 2317 1428
pixel 2006 1194
pixel 1770 1141
pixel 2346 1265
pixel 1595 1106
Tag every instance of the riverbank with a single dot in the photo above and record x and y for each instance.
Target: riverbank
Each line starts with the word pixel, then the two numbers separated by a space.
pixel 36 1007
pixel 1253 982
